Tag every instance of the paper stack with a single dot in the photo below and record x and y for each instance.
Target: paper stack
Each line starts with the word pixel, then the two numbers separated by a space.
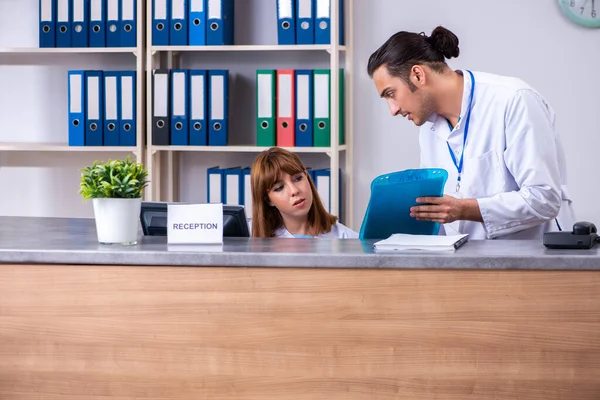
pixel 404 242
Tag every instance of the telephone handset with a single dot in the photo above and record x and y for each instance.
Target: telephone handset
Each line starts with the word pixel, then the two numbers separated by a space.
pixel 583 236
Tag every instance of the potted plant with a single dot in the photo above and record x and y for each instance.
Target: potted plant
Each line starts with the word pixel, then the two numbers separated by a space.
pixel 115 188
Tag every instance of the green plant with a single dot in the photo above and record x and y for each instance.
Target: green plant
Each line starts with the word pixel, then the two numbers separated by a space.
pixel 123 179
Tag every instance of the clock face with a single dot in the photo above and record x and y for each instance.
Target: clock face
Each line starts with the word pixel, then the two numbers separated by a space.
pixel 582 12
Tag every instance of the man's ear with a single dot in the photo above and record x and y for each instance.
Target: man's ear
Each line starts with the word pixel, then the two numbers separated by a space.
pixel 417 75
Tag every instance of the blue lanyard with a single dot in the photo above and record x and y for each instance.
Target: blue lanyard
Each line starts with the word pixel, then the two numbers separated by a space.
pixel 459 164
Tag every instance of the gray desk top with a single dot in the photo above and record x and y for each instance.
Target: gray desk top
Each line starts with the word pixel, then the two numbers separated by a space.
pixel 73 241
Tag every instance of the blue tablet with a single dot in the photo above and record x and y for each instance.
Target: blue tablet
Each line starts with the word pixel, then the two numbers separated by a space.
pixel 392 196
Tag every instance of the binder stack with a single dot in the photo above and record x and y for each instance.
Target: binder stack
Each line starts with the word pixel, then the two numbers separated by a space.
pixel 192 22
pixel 307 22
pixel 190 107
pixel 230 186
pixel 87 23
pixel 102 108
pixel 293 108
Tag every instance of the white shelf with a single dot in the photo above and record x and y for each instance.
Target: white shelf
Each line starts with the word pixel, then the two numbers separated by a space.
pixel 63 147
pixel 242 149
pixel 70 50
pixel 311 47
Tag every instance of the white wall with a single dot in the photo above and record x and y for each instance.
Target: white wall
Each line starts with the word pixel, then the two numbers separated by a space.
pixel 528 39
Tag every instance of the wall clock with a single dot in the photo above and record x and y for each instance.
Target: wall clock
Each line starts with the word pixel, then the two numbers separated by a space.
pixel 582 12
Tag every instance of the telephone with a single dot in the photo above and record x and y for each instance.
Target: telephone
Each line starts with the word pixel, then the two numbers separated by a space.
pixel 583 236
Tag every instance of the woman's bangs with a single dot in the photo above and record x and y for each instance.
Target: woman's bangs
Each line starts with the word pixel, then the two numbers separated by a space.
pixel 282 164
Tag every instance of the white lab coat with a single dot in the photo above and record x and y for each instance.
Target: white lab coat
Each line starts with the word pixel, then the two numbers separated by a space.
pixel 338 231
pixel 514 164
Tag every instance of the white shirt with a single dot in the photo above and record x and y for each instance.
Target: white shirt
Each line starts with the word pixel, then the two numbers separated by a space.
pixel 338 231
pixel 514 164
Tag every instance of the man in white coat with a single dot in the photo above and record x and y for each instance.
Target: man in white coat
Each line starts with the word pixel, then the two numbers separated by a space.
pixel 494 135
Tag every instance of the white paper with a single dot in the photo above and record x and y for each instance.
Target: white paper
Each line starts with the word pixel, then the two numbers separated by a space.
pixel 217 97
pixel 285 8
pixel 265 96
pixel 177 9
pixel 323 8
pixel 113 10
pixel 214 182
pixel 127 11
pixel 232 184
pixel 75 81
pixel 406 242
pixel 78 11
pixel 323 183
pixel 197 97
pixel 46 10
pixel 214 9
pixel 304 8
pixel 93 94
pixel 161 88
pixel 126 97
pixel 284 86
pixel 160 9
pixel 179 94
pixel 248 196
pixel 110 97
pixel 197 6
pixel 63 11
pixel 321 96
pixel 303 97
pixel 96 10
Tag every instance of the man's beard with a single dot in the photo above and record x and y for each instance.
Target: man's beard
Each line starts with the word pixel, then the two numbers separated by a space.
pixel 427 107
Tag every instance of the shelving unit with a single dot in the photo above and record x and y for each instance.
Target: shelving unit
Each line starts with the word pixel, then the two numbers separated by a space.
pixel 260 47
pixel 36 56
pixel 244 149
pixel 60 147
pixel 73 50
pixel 167 57
pixel 148 58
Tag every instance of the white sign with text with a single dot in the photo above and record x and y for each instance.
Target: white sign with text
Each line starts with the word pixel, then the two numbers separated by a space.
pixel 194 223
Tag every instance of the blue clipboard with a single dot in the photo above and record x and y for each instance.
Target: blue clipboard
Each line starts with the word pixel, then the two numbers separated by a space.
pixel 392 196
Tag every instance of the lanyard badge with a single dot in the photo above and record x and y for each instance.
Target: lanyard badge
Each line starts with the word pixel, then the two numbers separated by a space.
pixel 459 163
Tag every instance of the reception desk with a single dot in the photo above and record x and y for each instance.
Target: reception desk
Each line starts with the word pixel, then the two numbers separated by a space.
pixel 296 319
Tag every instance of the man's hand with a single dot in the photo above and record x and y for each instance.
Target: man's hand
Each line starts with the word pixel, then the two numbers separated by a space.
pixel 446 209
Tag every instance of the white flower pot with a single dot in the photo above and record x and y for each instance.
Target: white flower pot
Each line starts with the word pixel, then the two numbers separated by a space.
pixel 117 220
